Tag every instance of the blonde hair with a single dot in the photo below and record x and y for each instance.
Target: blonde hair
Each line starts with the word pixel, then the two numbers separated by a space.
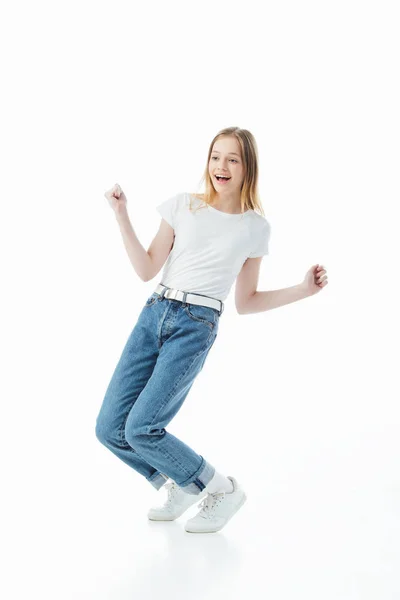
pixel 249 196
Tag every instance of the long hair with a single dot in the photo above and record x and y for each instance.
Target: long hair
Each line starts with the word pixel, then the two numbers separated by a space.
pixel 249 196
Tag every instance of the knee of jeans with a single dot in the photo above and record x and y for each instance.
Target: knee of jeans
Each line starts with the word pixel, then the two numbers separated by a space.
pixel 139 432
pixel 103 431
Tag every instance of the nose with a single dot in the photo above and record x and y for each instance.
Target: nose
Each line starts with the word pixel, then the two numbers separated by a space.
pixel 222 167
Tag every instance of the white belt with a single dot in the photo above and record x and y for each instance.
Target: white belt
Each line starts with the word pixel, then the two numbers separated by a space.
pixel 189 297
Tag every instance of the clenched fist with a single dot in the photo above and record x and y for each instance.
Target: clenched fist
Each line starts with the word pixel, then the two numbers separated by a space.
pixel 116 197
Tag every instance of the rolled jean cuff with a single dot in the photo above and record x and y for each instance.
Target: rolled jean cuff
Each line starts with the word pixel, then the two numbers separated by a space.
pixel 199 480
pixel 158 480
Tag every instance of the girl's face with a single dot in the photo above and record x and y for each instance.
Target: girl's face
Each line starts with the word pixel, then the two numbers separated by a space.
pixel 226 160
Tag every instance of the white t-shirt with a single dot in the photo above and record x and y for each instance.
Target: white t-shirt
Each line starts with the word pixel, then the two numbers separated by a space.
pixel 210 246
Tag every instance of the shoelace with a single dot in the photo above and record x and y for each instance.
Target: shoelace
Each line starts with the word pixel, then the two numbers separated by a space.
pixel 209 504
pixel 172 488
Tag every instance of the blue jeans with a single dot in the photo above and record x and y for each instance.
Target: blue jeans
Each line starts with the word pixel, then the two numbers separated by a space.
pixel 165 351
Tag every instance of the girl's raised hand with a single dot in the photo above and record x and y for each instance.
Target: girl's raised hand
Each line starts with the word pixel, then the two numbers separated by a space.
pixel 315 279
pixel 116 197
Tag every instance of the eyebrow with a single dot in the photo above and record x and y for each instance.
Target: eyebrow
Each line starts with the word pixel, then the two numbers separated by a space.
pixel 228 152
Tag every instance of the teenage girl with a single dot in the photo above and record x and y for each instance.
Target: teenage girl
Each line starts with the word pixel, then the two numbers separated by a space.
pixel 205 242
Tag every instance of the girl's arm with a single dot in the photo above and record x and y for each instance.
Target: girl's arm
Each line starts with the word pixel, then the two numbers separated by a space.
pixel 138 256
pixel 146 263
pixel 261 301
pixel 255 301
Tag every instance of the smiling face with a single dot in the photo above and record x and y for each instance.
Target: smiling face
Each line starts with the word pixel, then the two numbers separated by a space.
pixel 225 160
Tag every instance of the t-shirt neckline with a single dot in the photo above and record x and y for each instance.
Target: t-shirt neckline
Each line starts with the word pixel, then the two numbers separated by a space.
pixel 221 212
pixel 225 214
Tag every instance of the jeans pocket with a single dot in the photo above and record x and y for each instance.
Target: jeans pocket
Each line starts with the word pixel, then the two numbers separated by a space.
pixel 151 299
pixel 202 314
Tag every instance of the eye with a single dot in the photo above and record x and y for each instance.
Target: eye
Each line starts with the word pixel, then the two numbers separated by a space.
pixel 229 159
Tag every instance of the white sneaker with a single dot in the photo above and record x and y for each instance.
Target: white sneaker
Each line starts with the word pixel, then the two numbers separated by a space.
pixel 216 510
pixel 176 504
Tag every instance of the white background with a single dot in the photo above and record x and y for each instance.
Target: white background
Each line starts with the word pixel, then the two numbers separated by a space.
pixel 300 403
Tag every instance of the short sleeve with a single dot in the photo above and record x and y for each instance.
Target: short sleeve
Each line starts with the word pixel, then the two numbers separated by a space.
pixel 262 243
pixel 167 210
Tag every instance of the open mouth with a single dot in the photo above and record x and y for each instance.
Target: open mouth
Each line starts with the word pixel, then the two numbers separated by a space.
pixel 222 179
